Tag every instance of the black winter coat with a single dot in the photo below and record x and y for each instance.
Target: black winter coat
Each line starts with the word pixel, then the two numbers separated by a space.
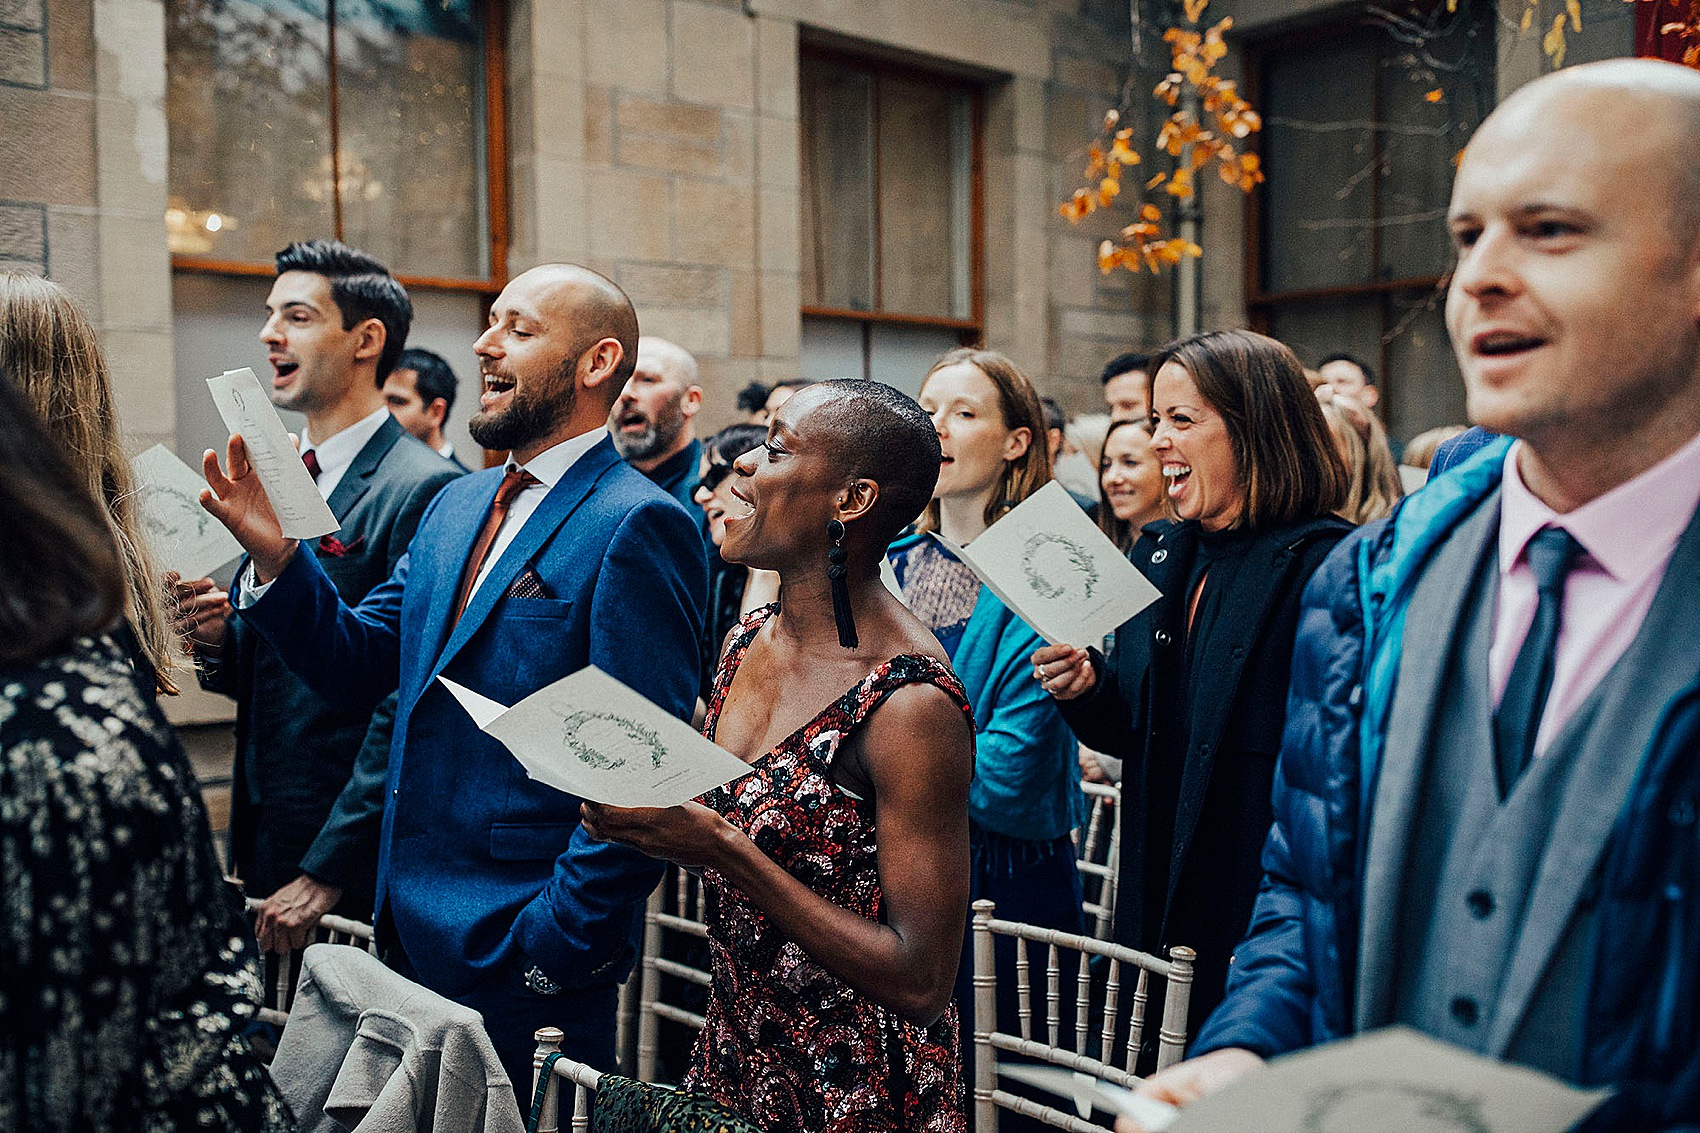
pixel 1199 725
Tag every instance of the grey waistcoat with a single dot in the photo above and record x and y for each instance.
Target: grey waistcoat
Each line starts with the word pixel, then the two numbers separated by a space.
pixel 1478 915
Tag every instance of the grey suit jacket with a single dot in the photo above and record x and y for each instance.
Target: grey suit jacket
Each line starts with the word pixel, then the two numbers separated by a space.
pixel 1659 663
pixel 294 752
pixel 368 1048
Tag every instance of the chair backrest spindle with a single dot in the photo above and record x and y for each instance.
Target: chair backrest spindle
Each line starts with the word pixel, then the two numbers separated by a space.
pixel 1023 988
pixel 1136 1018
pixel 1112 1006
pixel 1053 994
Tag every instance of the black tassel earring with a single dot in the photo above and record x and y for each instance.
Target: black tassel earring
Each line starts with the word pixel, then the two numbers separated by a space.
pixel 835 572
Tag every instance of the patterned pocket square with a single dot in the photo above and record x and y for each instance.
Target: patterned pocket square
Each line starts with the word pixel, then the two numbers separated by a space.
pixel 336 548
pixel 528 585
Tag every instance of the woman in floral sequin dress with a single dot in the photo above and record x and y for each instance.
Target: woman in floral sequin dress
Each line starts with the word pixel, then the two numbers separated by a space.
pixel 838 867
pixel 126 973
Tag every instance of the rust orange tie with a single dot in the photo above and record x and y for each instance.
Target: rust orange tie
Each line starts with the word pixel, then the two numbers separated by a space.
pixel 516 481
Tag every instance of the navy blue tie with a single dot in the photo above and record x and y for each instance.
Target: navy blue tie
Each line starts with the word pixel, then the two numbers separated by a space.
pixel 1550 554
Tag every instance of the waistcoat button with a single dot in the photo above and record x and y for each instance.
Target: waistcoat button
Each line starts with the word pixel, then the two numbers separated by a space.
pixel 1464 1010
pixel 1480 902
pixel 1161 637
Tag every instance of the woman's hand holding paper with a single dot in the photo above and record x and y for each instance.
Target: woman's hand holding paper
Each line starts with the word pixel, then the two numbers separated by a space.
pixel 1064 671
pixel 691 835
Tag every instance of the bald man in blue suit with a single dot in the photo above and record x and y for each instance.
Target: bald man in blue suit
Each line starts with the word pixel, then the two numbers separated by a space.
pixel 489 891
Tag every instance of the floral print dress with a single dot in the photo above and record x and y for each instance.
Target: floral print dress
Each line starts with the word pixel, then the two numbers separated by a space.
pixel 786 1044
pixel 126 973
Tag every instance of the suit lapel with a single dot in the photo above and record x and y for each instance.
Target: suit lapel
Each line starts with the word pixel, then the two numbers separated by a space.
pixel 358 478
pixel 1664 664
pixel 1432 619
pixel 563 499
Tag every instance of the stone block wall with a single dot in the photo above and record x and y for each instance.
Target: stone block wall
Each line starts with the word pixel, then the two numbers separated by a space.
pixel 47 142
pixel 82 180
pixel 657 141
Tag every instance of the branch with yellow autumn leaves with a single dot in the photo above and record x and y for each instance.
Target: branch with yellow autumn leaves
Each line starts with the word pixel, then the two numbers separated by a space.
pixel 1554 42
pixel 1196 139
pixel 1223 118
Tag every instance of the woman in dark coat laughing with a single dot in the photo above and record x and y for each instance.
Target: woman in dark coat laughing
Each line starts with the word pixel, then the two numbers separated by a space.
pixel 1196 695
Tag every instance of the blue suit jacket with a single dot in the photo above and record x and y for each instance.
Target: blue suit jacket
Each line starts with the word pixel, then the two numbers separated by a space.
pixel 481 867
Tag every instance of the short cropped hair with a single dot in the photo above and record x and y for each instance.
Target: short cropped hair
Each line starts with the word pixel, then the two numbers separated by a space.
pixel 753 398
pixel 1289 466
pixel 884 436
pixel 1126 364
pixel 1363 367
pixel 362 289
pixel 436 378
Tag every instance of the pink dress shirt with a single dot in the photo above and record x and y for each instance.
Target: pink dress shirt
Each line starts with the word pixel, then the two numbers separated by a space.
pixel 1627 538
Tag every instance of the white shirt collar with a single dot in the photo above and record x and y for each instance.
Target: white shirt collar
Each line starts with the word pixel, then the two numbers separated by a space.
pixel 337 452
pixel 552 463
pixel 447 452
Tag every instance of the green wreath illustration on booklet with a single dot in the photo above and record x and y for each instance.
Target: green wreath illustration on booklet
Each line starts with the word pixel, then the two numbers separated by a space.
pixel 593 738
pixel 1055 564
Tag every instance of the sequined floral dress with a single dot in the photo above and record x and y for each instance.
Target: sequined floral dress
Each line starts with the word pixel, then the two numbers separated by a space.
pixel 786 1044
pixel 126 973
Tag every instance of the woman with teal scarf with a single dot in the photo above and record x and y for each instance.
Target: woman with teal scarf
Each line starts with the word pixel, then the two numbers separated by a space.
pixel 1025 798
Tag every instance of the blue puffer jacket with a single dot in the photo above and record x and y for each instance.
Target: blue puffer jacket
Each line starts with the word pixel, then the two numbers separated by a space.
pixel 1292 981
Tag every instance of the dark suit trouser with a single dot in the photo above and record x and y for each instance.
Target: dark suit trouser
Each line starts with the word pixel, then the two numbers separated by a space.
pixel 513 1013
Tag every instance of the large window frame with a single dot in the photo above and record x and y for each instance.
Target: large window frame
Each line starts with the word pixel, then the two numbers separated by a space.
pixel 970 330
pixel 1261 304
pixel 496 171
pixel 1410 400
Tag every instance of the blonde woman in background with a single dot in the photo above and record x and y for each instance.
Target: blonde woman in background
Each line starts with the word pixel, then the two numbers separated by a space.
pixel 1025 797
pixel 1375 486
pixel 50 349
pixel 1131 491
pixel 1086 432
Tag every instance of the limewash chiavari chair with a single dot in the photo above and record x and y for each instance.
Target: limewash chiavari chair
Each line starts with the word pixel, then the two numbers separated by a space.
pixel 683 918
pixel 1107 1047
pixel 281 971
pixel 1099 857
pixel 583 1078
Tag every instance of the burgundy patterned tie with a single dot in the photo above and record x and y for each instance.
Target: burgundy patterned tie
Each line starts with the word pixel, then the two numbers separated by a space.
pixel 311 459
pixel 514 482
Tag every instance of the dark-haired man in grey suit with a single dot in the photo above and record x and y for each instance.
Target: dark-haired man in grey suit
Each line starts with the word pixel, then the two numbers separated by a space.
pixel 302 835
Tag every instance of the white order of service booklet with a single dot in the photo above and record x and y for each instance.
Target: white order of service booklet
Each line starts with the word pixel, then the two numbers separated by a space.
pixel 1050 564
pixel 301 511
pixel 183 534
pixel 591 736
pixel 1393 1080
